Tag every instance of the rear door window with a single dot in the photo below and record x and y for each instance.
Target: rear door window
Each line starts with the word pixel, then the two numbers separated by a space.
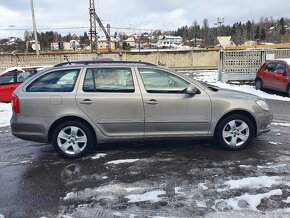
pixel 109 80
pixel 57 81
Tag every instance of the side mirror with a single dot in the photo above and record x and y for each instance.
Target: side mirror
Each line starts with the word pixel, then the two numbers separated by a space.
pixel 191 89
pixel 281 72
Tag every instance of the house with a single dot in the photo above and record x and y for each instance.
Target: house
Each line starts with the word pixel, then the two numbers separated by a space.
pixel 131 41
pixel 169 41
pixel 103 43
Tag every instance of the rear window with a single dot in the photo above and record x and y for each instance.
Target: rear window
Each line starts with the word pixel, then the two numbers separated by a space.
pixel 7 79
pixel 22 76
pixel 57 81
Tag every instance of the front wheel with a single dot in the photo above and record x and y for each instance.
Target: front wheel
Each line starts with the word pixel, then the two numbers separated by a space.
pixel 235 132
pixel 258 84
pixel 72 139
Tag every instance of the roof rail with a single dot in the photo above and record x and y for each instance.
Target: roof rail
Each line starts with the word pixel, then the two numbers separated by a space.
pixel 88 62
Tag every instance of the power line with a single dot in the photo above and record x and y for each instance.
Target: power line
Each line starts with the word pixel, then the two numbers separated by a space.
pixel 70 28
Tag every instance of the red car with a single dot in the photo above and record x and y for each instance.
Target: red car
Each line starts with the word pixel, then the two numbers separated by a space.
pixel 274 74
pixel 9 81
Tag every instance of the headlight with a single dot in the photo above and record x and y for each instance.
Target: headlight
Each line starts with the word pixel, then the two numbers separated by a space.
pixel 262 104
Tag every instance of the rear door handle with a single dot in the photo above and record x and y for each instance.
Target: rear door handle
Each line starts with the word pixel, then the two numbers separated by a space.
pixel 152 101
pixel 86 101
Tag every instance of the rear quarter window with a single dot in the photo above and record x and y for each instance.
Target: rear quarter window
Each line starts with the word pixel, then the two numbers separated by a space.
pixel 57 81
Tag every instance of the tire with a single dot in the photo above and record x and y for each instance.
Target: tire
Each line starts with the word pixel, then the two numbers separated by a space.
pixel 72 139
pixel 288 90
pixel 235 132
pixel 258 84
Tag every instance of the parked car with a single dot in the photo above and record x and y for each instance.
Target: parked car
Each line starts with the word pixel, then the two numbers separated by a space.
pixel 76 107
pixel 274 74
pixel 9 81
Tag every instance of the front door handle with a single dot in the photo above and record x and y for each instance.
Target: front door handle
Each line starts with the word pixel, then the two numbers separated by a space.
pixel 86 101
pixel 152 101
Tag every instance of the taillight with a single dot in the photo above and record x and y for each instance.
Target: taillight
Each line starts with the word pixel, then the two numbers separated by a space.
pixel 15 103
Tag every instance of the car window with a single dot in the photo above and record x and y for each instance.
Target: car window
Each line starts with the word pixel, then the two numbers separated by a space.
pixel 280 67
pixel 7 79
pixel 271 67
pixel 22 76
pixel 57 81
pixel 109 80
pixel 158 81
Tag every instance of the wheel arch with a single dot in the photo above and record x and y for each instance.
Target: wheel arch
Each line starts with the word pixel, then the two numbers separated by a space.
pixel 238 112
pixel 69 118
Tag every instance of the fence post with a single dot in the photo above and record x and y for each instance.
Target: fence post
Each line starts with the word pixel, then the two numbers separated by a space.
pixel 220 65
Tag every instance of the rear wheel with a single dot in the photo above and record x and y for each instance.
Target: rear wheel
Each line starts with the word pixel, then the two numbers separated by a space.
pixel 258 84
pixel 72 139
pixel 235 132
pixel 288 91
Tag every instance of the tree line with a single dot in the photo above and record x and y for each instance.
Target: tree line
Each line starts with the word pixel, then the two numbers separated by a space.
pixel 267 29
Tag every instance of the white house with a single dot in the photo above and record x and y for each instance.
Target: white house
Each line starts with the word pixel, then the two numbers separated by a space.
pixel 103 43
pixel 131 41
pixel 169 41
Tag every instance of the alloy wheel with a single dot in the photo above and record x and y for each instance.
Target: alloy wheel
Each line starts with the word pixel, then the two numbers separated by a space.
pixel 72 140
pixel 235 133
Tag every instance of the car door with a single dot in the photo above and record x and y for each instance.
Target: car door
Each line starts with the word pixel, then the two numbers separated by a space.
pixel 280 81
pixel 7 86
pixel 268 74
pixel 112 100
pixel 169 111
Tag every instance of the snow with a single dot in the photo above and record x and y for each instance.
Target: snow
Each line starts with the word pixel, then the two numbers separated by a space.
pixel 98 156
pixel 108 191
pixel 2 216
pixel 211 77
pixel 151 196
pixel 251 201
pixel 245 166
pixel 202 186
pixel 177 190
pixel 280 124
pixel 253 182
pixel 122 161
pixel 287 200
pixel 5 114
pixel 273 143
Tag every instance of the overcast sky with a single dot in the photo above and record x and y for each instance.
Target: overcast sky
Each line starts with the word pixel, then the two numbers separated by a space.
pixel 140 14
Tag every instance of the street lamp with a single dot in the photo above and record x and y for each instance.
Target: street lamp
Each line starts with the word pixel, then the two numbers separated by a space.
pixel 34 27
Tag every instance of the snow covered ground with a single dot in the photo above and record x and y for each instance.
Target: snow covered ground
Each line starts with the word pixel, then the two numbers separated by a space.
pixel 210 77
pixel 5 114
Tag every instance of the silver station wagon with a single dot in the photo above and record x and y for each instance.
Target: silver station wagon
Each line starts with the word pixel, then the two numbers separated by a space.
pixel 78 106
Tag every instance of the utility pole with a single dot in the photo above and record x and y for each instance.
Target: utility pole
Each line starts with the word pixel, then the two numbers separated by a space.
pixel 109 39
pixel 93 27
pixel 34 27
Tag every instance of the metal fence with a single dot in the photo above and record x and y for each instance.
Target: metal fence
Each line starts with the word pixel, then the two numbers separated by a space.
pixel 243 64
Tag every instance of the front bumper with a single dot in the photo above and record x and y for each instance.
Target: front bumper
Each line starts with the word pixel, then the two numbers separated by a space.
pixel 264 120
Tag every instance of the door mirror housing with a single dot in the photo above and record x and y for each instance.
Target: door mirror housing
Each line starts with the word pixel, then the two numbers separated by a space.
pixel 191 89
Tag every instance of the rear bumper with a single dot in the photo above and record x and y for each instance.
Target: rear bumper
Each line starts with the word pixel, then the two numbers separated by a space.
pixel 264 120
pixel 29 128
